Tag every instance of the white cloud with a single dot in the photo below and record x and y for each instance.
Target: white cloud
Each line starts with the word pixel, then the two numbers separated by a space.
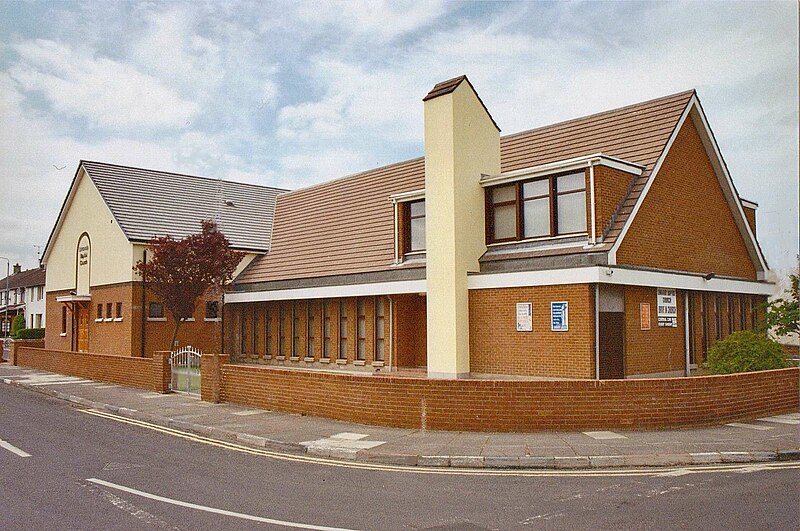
pixel 105 92
pixel 309 168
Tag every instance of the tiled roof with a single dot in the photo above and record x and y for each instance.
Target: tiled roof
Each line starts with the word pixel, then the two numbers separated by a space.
pixel 149 203
pixel 24 279
pixel 347 226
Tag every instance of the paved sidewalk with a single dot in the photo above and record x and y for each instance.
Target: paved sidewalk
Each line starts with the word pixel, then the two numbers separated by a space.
pixel 766 439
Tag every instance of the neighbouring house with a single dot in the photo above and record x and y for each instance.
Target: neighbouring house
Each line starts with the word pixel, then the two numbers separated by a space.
pixel 96 302
pixel 608 246
pixel 22 294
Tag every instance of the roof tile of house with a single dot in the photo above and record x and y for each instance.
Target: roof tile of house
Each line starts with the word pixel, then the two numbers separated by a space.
pixel 149 203
pixel 346 226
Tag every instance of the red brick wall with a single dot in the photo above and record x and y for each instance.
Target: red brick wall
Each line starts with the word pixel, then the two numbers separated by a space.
pixel 497 348
pixel 123 338
pixel 750 214
pixel 685 222
pixel 143 373
pixel 514 405
pixel 610 186
pixel 410 330
pixel 659 349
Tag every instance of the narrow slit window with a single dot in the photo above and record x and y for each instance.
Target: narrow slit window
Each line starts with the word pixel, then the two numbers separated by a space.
pixel 361 329
pixel 281 329
pixel 268 329
pixel 342 329
pixel 310 329
pixel 380 319
pixel 326 329
pixel 295 331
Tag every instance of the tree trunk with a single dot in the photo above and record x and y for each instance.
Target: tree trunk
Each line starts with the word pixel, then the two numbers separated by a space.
pixel 178 324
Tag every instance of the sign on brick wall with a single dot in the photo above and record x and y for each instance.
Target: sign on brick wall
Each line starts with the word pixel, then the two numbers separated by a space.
pixel 524 317
pixel 559 316
pixel 644 316
pixel 667 307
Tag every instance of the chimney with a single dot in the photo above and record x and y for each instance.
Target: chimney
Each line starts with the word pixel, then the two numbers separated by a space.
pixel 17 269
pixel 462 141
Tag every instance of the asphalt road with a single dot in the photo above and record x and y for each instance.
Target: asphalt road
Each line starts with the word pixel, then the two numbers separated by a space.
pixel 90 472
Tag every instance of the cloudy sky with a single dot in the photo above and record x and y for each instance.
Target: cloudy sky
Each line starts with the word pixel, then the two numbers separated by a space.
pixel 290 94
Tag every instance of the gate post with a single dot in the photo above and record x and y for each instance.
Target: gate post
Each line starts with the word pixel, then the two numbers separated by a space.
pixel 162 372
pixel 211 377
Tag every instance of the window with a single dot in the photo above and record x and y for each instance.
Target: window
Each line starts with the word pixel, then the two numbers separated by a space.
pixel 742 314
pixel 538 208
pixel 415 226
pixel 256 329
pixel 64 320
pixel 281 330
pixel 212 310
pixel 361 329
pixel 38 320
pixel 99 311
pixel 30 324
pixel 730 314
pixel 342 329
pixel 268 330
pixel 380 318
pixel 310 329
pixel 326 329
pixel 753 317
pixel 155 310
pixel 109 310
pixel 119 310
pixel 717 317
pixel 242 333
pixel 295 331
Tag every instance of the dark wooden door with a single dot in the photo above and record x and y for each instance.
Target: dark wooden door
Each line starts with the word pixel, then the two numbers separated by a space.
pixel 83 330
pixel 612 345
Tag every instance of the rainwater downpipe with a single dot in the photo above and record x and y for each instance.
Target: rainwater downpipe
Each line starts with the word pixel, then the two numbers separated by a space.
pixel 593 241
pixel 686 328
pixel 391 331
pixel 597 331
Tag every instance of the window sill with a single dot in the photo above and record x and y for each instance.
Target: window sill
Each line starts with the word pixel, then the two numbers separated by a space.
pixel 63 334
pixel 212 319
pixel 118 319
pixel 341 362
pixel 157 319
pixel 308 359
pixel 98 320
pixel 360 363
pixel 324 360
pixel 378 364
pixel 108 319
pixel 268 357
pixel 294 358
pixel 189 320
pixel 280 358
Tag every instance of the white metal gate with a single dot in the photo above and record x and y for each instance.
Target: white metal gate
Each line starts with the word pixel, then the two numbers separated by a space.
pixel 185 364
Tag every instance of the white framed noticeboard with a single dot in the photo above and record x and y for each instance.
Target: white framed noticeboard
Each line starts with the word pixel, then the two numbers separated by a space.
pixel 667 304
pixel 524 317
pixel 559 316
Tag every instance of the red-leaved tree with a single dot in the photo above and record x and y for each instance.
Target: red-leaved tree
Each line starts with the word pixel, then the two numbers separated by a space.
pixel 181 271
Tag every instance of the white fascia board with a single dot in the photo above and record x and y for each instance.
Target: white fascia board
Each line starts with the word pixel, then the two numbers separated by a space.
pixel 730 192
pixel 749 204
pixel 407 196
pixel 694 105
pixel 577 163
pixel 620 276
pixel 612 254
pixel 397 287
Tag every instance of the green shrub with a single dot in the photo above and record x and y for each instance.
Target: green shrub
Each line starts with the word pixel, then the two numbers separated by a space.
pixel 30 333
pixel 745 352
pixel 17 324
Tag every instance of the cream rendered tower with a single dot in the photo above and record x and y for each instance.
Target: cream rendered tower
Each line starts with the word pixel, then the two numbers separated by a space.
pixel 462 142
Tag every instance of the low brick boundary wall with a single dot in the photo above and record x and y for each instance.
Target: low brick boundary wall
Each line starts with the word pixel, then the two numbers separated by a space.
pixel 515 405
pixel 152 374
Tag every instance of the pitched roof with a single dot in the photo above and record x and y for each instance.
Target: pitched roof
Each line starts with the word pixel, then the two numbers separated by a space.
pixel 147 203
pixel 24 279
pixel 347 226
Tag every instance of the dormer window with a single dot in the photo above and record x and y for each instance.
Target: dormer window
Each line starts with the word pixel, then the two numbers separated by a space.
pixel 415 238
pixel 538 208
pixel 409 219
